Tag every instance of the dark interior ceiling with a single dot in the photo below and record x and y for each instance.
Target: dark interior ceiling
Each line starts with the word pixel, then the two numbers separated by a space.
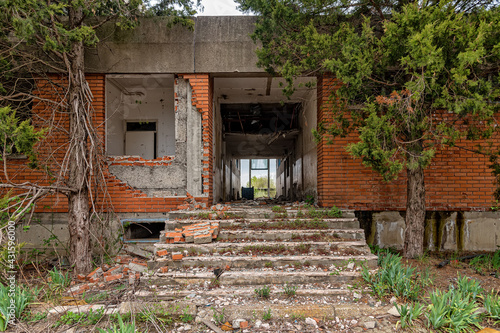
pixel 260 130
pixel 259 118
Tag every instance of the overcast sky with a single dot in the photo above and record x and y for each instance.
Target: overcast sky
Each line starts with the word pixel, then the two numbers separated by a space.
pixel 219 8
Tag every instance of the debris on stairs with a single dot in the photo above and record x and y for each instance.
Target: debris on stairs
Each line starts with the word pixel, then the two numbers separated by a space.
pixel 198 233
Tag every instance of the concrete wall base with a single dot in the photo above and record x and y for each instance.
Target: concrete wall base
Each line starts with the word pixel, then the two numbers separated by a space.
pixel 444 231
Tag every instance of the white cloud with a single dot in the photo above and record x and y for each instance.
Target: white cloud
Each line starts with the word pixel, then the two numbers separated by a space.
pixel 219 8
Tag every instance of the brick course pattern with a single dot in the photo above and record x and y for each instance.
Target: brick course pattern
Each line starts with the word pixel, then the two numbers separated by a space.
pixel 457 179
pixel 122 197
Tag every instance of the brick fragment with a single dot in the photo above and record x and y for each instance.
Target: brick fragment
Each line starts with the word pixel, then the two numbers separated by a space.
pixel 113 277
pixel 244 324
pixel 161 253
pixel 203 239
pixel 96 273
pixel 176 256
pixel 163 269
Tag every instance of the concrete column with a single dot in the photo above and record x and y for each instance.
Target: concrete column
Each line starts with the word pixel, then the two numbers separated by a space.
pixel 268 179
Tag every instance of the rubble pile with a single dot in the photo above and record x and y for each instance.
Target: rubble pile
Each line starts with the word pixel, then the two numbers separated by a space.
pixel 199 233
pixel 125 267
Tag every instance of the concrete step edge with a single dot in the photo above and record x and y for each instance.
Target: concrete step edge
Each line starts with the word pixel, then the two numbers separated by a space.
pixel 242 291
pixel 215 245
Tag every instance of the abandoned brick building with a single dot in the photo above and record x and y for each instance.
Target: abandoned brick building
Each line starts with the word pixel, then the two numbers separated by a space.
pixel 179 109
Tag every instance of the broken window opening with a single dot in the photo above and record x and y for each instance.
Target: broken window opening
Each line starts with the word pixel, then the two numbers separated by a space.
pixel 142 231
pixel 141 115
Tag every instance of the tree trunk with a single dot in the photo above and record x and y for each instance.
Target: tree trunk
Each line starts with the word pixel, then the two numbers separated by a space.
pixel 78 198
pixel 415 213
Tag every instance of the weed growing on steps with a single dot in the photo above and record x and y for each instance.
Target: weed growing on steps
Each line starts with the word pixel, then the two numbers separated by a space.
pixel 219 316
pixel 185 316
pixel 267 315
pixel 278 209
pixel 263 292
pixel 289 290
pixel 333 212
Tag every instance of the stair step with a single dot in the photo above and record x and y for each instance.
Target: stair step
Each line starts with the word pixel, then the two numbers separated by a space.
pixel 369 260
pixel 353 247
pixel 253 277
pixel 240 292
pixel 270 235
pixel 266 224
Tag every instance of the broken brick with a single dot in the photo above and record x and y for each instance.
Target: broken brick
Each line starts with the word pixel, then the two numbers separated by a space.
pixel 203 239
pixel 93 280
pixel 113 277
pixel 115 270
pixel 164 269
pixel 178 240
pixel 176 256
pixel 244 324
pixel 96 273
pixel 161 253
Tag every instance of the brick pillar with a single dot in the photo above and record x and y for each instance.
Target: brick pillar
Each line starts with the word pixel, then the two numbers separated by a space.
pixel 202 99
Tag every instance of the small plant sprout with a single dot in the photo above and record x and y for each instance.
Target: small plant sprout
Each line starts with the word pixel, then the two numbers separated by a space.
pixel 263 292
pixel 218 316
pixel 267 315
pixel 289 290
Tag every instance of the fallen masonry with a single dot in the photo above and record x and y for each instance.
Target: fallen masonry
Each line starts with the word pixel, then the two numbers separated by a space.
pixel 199 233
pixel 125 268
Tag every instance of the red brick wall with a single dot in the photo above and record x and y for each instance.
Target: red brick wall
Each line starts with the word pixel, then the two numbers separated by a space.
pixel 122 197
pixel 456 180
pixel 202 98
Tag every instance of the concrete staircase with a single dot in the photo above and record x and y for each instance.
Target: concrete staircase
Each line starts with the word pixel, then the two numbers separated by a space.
pixel 257 247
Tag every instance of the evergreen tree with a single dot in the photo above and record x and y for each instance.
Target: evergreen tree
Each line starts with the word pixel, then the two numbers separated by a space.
pixel 415 76
pixel 40 36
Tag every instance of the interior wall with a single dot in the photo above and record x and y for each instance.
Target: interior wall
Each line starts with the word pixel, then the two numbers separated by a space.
pixel 301 180
pixel 232 187
pixel 306 177
pixel 145 104
pixel 219 152
pixel 280 178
